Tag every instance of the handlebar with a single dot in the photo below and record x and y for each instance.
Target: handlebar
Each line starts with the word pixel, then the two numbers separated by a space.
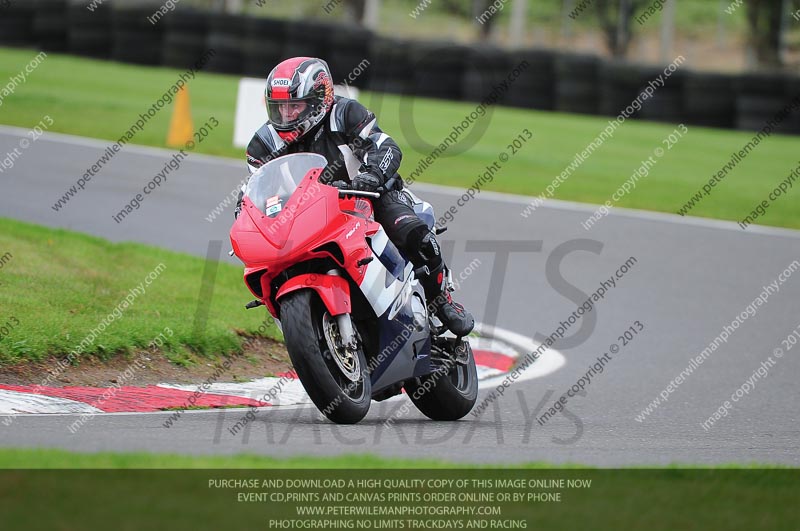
pixel 359 193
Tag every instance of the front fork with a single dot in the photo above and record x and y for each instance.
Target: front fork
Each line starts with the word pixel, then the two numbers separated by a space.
pixel 345 322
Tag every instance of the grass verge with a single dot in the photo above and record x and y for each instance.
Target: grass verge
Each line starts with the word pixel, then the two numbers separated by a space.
pixel 56 286
pixel 106 98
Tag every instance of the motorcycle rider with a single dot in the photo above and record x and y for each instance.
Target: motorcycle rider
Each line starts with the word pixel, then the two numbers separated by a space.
pixel 305 116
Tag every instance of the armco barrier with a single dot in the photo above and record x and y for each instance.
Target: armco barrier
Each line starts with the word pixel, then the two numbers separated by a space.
pixel 252 45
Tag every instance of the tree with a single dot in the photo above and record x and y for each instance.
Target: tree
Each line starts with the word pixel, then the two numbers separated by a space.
pixel 764 22
pixel 616 17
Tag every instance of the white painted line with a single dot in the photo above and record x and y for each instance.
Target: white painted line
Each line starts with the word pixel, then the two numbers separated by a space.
pixel 522 200
pixel 663 217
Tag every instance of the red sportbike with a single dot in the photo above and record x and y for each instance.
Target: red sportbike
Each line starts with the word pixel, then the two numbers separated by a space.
pixel 353 314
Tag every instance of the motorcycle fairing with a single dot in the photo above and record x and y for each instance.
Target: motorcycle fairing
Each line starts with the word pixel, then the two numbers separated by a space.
pixel 333 290
pixel 408 327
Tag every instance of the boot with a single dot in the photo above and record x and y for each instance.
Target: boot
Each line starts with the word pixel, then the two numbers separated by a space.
pixel 453 315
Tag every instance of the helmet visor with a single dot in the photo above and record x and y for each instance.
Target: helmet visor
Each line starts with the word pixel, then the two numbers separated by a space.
pixel 286 115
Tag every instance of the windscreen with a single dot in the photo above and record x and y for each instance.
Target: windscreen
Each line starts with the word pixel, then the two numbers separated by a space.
pixel 271 186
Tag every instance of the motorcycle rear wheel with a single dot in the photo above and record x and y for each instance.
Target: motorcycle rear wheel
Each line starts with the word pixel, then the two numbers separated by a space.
pixel 338 397
pixel 446 394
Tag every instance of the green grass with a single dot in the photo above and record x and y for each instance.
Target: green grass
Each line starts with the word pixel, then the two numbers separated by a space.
pixel 106 97
pixel 44 458
pixel 61 459
pixel 59 285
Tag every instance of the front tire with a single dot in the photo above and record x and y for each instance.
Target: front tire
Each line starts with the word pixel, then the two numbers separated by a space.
pixel 446 394
pixel 337 395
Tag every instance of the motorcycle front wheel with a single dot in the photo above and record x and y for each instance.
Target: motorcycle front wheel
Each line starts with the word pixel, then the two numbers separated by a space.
pixel 447 394
pixel 336 380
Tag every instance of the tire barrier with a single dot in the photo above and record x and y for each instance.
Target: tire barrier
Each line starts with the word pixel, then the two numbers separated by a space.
pixel 135 38
pixel 226 37
pixel 50 25
pixel 758 98
pixel 16 24
pixel 486 66
pixel 437 69
pixel 620 83
pixel 349 47
pixel 535 87
pixel 792 124
pixel 90 31
pixel 391 65
pixel 575 83
pixel 309 38
pixel 666 104
pixel 264 45
pixel 709 99
pixel 185 35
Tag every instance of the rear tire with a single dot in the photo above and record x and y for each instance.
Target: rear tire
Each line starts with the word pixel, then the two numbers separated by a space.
pixel 446 396
pixel 336 396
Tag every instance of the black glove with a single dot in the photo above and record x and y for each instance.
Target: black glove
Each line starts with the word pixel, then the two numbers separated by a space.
pixel 341 185
pixel 366 182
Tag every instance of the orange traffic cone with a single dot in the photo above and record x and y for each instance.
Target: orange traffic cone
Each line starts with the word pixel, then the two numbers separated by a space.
pixel 181 128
